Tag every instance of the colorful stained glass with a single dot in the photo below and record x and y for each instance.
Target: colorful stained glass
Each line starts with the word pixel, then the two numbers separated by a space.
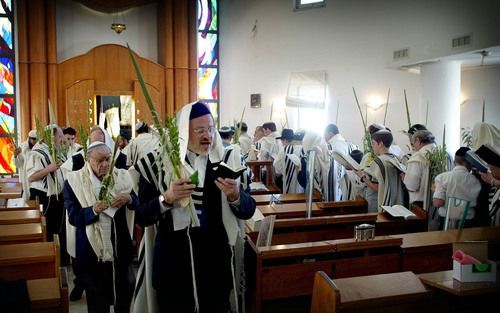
pixel 7 140
pixel 7 107
pixel 207 15
pixel 207 83
pixel 5 6
pixel 6 31
pixel 6 76
pixel 207 49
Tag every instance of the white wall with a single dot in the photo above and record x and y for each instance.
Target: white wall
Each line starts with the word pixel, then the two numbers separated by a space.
pixel 79 29
pixel 353 41
pixel 477 84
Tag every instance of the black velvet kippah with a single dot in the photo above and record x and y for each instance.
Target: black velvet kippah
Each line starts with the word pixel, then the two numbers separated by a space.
pixel 198 109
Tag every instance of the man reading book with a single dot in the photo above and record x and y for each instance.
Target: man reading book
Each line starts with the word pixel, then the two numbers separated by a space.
pixel 193 267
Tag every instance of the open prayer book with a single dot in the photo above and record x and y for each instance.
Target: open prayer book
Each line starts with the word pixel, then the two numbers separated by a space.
pixel 225 171
pixel 476 161
pixel 398 210
pixel 346 160
pixel 258 186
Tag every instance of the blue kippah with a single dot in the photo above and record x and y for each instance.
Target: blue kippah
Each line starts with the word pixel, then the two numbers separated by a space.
pixel 198 109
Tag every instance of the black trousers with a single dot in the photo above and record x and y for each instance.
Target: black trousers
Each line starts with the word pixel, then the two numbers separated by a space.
pixel 98 284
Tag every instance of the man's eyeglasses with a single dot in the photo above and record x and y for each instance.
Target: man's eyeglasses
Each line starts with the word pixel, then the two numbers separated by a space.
pixel 201 130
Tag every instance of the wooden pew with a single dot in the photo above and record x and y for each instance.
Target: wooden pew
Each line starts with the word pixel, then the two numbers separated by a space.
pixel 285 198
pixel 27 205
pixel 431 251
pixel 317 228
pixel 9 179
pixel 30 260
pixel 23 233
pixel 49 294
pixel 256 166
pixel 298 210
pixel 20 217
pixel 392 292
pixel 284 271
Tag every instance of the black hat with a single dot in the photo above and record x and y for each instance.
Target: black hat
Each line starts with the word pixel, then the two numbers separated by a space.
pixel 462 151
pixel 489 155
pixel 286 134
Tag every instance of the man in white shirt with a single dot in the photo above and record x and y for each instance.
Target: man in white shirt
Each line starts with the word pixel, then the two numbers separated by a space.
pixel 458 183
pixel 269 147
pixel 417 178
pixel 244 139
pixel 21 156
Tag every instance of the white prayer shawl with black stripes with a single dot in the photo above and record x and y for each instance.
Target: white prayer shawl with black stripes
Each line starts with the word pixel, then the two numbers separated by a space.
pixel 339 188
pixel 82 184
pixel 139 147
pixel 40 158
pixel 386 169
pixel 283 165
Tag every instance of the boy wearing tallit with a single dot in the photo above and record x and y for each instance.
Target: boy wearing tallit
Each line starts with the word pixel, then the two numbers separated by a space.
pixel 385 171
pixel 46 180
pixel 21 156
pixel 194 255
pixel 104 248
pixel 287 163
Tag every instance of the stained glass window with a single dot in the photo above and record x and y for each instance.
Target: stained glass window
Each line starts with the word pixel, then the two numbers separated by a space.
pixel 8 123
pixel 208 55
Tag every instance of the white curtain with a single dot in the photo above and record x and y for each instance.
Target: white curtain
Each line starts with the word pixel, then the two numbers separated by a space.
pixel 307 90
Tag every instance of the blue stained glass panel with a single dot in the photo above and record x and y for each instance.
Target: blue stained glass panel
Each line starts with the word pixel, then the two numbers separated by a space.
pixel 208 84
pixel 6 76
pixel 6 31
pixel 5 6
pixel 207 49
pixel 207 15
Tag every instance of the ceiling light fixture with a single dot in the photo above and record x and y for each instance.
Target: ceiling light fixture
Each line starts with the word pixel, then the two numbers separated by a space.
pixel 118 27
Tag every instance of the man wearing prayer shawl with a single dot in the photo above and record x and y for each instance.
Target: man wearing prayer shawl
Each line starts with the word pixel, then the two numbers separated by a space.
pixel 269 147
pixel 104 248
pixel 46 180
pixel 385 171
pixel 143 143
pixel 313 142
pixel 194 255
pixel 21 156
pixel 417 174
pixel 287 163
pixel 338 187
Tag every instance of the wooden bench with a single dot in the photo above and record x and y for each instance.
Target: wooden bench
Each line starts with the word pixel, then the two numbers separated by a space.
pixel 26 205
pixel 20 217
pixel 318 228
pixel 30 260
pixel 256 166
pixel 299 209
pixel 49 294
pixel 391 292
pixel 431 251
pixel 284 271
pixel 23 233
pixel 285 198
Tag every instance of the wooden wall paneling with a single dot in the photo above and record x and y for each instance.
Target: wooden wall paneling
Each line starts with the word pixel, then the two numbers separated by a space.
pixel 37 60
pixel 76 100
pixel 51 35
pixel 166 51
pixel 142 111
pixel 23 106
pixel 181 53
pixel 193 51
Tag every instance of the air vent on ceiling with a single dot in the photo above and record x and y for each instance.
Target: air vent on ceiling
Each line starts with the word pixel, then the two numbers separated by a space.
pixel 462 41
pixel 401 54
